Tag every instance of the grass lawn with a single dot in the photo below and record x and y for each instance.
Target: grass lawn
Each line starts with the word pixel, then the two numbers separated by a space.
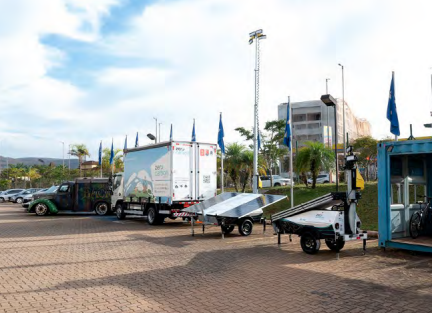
pixel 367 208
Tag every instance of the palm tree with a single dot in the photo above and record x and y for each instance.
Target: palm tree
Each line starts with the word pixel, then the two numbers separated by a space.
pixel 314 157
pixel 234 160
pixel 80 151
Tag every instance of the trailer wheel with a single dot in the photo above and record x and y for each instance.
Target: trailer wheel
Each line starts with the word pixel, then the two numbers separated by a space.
pixel 335 245
pixel 309 243
pixel 102 208
pixel 41 209
pixel 227 228
pixel 121 215
pixel 245 227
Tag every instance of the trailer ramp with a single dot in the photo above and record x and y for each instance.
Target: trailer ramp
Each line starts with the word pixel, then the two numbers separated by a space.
pixel 319 203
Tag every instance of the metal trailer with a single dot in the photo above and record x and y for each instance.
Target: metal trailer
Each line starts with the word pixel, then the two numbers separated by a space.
pixel 404 176
pixel 231 209
pixel 161 179
pixel 331 217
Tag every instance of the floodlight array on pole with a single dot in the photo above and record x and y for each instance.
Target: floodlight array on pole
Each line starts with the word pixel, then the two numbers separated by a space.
pixel 256 36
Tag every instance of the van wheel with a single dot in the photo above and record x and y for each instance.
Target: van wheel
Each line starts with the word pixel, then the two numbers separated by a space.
pixel 41 209
pixel 102 208
pixel 120 211
pixel 245 227
pixel 309 243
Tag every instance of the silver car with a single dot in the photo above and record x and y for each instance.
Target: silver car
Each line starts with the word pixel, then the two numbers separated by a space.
pixel 9 193
pixel 19 197
pixel 28 198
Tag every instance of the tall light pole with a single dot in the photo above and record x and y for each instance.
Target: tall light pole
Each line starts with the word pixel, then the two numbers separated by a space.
pixel 156 128
pixel 257 35
pixel 328 118
pixel 69 157
pixel 343 108
pixel 159 131
pixel 63 159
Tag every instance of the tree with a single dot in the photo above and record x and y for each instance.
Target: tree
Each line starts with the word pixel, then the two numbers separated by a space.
pixel 233 160
pixel 366 147
pixel 117 160
pixel 80 151
pixel 316 157
pixel 33 174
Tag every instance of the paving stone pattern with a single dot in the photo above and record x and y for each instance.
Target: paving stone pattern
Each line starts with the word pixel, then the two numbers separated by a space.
pixel 84 263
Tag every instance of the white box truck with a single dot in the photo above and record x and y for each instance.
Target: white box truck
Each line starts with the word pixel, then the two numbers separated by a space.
pixel 161 179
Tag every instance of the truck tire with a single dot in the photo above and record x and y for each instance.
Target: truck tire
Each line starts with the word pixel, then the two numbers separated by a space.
pixel 102 209
pixel 152 216
pixel 335 245
pixel 309 243
pixel 121 215
pixel 41 209
pixel 245 227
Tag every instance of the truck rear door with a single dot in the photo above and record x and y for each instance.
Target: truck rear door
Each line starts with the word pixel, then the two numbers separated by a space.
pixel 205 171
pixel 183 171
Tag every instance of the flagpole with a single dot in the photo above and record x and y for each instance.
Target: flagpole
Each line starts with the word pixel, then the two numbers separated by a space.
pixel 100 155
pixel 222 164
pixel 291 156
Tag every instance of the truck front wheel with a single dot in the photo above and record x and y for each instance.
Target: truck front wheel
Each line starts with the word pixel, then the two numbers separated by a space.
pixel 41 209
pixel 102 208
pixel 120 211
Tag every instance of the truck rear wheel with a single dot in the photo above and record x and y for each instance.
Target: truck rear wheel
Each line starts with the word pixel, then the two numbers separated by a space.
pixel 309 243
pixel 152 216
pixel 245 227
pixel 102 208
pixel 120 211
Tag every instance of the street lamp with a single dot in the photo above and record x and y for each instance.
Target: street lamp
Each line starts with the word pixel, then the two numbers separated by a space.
pixel 257 35
pixel 343 108
pixel 156 130
pixel 329 101
pixel 159 131
pixel 63 158
pixel 328 122
pixel 152 137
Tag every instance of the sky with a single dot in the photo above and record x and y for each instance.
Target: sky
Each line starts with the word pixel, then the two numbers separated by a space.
pixel 82 71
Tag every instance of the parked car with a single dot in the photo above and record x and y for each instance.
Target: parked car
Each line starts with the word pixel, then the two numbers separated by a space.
pixel 277 181
pixel 321 179
pixel 18 198
pixel 30 197
pixel 9 193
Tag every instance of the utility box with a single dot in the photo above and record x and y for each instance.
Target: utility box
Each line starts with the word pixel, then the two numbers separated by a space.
pixel 404 183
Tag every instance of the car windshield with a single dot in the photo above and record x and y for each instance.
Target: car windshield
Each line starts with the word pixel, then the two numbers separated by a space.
pixel 52 189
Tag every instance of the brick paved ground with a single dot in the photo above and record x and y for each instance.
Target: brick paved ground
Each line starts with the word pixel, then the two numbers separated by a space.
pixel 92 264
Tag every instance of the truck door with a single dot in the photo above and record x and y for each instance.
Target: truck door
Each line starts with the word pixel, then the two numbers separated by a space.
pixel 63 198
pixel 183 171
pixel 205 171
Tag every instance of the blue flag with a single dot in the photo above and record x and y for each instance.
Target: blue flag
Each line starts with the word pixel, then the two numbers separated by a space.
pixel 136 141
pixel 112 153
pixel 221 136
pixel 171 134
pixel 193 132
pixel 100 153
pixel 287 137
pixel 259 140
pixel 125 146
pixel 392 111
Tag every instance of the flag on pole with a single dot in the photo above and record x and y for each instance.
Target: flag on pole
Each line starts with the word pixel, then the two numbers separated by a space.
pixel 112 153
pixel 171 138
pixel 100 153
pixel 125 146
pixel 221 136
pixel 287 137
pixel 259 141
pixel 392 111
pixel 136 141
pixel 193 132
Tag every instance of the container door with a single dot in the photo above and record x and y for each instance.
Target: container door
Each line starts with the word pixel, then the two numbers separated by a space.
pixel 182 172
pixel 205 171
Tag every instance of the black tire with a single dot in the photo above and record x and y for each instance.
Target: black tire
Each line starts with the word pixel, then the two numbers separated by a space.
pixel 277 185
pixel 326 182
pixel 120 211
pixel 335 245
pixel 2 199
pixel 227 229
pixel 309 243
pixel 245 227
pixel 152 216
pixel 102 209
pixel 415 225
pixel 19 200
pixel 41 209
